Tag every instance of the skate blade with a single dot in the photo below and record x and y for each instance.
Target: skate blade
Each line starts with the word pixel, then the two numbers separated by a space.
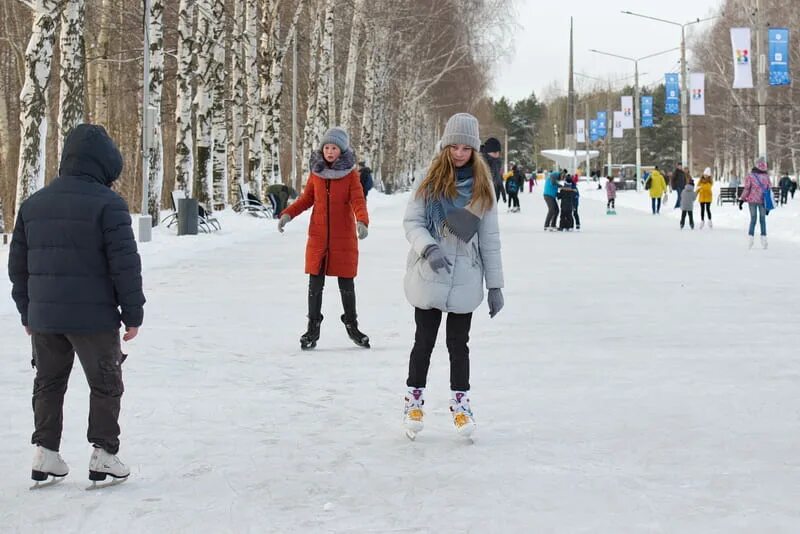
pixel 52 481
pixel 410 434
pixel 114 482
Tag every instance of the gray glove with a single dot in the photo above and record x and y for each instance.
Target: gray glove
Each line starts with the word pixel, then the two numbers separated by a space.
pixel 283 222
pixel 437 260
pixel 362 230
pixel 496 301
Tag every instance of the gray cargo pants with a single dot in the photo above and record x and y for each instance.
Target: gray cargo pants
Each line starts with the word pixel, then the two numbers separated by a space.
pixel 101 359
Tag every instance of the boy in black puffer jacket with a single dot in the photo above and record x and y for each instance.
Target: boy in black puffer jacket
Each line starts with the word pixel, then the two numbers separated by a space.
pixel 76 276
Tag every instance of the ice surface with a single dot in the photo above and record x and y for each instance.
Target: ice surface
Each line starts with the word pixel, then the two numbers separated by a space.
pixel 640 379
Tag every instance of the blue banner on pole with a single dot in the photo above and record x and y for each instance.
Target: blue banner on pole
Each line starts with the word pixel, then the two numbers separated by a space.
pixel 602 121
pixel 779 56
pixel 593 135
pixel 647 112
pixel 673 95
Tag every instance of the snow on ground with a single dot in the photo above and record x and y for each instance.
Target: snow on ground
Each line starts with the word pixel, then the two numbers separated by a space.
pixel 640 379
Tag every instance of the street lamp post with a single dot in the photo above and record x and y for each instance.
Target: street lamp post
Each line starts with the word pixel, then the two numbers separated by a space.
pixel 637 104
pixel 684 79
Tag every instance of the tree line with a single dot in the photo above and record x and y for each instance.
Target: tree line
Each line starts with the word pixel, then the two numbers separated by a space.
pixel 221 85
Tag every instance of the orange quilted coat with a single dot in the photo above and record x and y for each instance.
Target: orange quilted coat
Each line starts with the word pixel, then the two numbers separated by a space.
pixel 332 246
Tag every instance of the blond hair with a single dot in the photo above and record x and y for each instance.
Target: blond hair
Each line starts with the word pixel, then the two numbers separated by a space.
pixel 440 180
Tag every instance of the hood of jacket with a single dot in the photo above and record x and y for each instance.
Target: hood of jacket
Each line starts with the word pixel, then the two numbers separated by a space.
pixel 339 169
pixel 90 151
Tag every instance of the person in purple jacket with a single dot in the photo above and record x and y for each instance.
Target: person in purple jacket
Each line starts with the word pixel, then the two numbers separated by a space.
pixel 755 185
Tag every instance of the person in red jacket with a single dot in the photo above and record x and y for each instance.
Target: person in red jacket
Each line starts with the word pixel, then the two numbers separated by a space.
pixel 338 215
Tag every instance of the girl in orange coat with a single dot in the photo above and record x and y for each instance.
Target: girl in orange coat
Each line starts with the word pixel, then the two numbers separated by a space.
pixel 339 213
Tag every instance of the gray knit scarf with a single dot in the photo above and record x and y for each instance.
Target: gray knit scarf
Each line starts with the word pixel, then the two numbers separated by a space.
pixel 338 169
pixel 455 216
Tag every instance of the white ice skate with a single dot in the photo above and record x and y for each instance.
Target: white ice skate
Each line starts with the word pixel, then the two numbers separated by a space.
pixel 702 224
pixel 750 242
pixel 46 464
pixel 462 413
pixel 710 225
pixel 104 464
pixel 413 414
pixel 764 242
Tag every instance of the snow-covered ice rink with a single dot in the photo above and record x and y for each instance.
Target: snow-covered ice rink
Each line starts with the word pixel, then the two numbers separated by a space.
pixel 640 379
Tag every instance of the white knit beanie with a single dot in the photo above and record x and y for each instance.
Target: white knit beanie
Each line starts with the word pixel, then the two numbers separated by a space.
pixel 461 129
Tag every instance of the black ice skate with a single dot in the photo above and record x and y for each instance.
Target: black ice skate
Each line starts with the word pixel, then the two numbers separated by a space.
pixel 358 337
pixel 309 339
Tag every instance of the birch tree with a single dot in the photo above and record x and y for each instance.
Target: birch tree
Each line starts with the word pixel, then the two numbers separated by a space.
pixel 237 90
pixel 352 65
pixel 203 187
pixel 155 154
pixel 72 63
pixel 274 52
pixel 184 157
pixel 33 100
pixel 219 124
pixel 311 133
pixel 102 70
pixel 254 124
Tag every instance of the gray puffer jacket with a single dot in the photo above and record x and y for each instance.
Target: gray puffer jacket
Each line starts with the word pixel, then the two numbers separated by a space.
pixel 688 196
pixel 461 290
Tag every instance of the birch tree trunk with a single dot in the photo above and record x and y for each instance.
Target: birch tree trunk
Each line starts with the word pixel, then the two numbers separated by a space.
pixel 270 26
pixel 327 115
pixel 73 65
pixel 203 100
pixel 184 157
pixel 155 155
pixel 352 65
pixel 102 68
pixel 33 101
pixel 310 131
pixel 219 125
pixel 254 122
pixel 275 94
pixel 237 89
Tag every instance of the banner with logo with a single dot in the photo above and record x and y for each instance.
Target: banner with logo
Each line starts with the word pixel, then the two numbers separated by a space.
pixel 602 124
pixel 580 131
pixel 779 57
pixel 618 120
pixel 672 95
pixel 742 58
pixel 593 135
pixel 647 112
pixel 627 112
pixel 697 88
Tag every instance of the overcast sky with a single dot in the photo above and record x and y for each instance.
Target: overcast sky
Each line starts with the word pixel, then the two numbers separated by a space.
pixel 541 42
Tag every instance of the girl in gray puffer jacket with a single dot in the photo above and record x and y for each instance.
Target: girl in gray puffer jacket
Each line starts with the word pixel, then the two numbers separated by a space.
pixel 688 196
pixel 451 224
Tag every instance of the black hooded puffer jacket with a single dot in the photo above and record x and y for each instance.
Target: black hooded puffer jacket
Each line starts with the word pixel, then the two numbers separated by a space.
pixel 73 261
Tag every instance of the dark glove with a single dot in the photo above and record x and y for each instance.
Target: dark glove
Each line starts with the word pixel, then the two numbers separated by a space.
pixel 741 204
pixel 436 259
pixel 362 230
pixel 496 302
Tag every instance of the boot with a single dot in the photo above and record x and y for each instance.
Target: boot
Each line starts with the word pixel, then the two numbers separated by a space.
pixel 412 413
pixel 310 338
pixel 47 463
pixel 103 464
pixel 350 319
pixel 462 413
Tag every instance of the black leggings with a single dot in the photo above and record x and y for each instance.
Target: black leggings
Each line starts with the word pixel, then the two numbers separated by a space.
pixel 513 200
pixel 705 207
pixel 458 326
pixel 552 212
pixel 316 283
pixel 500 191
pixel 611 203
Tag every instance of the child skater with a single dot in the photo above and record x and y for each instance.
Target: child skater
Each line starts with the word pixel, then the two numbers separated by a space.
pixel 451 224
pixel 338 215
pixel 611 195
